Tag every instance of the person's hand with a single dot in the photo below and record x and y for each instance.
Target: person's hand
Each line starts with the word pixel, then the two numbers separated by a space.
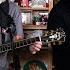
pixel 35 47
pixel 17 38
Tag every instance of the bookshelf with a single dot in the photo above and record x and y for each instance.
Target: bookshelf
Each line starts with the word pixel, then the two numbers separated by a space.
pixel 33 11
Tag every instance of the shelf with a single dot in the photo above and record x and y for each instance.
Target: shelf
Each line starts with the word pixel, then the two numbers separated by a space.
pixel 28 8
pixel 34 26
pixel 40 9
pixel 25 8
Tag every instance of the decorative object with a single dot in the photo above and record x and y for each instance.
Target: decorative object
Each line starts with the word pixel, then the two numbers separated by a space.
pixel 35 65
pixel 38 3
pixel 25 3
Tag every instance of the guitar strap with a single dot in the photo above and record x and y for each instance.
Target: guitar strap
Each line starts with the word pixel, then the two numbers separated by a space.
pixel 10 19
pixel 10 23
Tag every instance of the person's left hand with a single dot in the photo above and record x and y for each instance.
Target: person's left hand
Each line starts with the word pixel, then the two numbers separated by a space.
pixel 35 47
pixel 17 38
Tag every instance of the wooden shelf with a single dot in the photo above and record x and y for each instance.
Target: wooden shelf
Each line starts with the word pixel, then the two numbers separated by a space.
pixel 34 26
pixel 28 8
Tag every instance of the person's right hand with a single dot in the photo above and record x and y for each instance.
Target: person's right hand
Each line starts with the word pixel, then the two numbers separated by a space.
pixel 35 47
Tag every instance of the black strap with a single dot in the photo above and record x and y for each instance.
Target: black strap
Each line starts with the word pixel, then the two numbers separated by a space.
pixel 3 11
pixel 10 19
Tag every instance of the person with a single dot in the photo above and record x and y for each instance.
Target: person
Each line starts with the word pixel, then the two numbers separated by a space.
pixel 13 10
pixel 59 17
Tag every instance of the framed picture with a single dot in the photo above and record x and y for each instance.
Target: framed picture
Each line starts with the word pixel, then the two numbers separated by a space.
pixel 26 18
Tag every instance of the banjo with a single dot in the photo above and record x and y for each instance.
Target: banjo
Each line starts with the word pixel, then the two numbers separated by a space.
pixel 52 36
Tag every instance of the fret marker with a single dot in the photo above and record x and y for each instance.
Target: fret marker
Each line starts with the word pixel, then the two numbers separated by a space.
pixel 40 38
